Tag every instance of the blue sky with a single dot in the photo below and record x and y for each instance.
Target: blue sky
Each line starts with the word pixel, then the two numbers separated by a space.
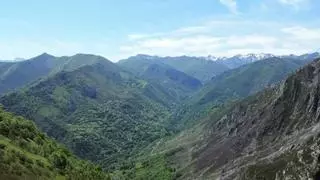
pixel 117 29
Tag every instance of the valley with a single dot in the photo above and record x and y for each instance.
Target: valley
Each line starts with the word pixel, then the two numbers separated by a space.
pixel 143 118
pixel 160 90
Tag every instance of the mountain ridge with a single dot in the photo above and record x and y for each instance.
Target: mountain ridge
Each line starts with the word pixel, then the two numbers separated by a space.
pixel 196 67
pixel 15 75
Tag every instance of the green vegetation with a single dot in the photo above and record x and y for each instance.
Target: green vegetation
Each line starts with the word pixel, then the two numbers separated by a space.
pixel 133 119
pixel 26 153
pixel 233 85
pixel 100 112
pixel 149 167
pixel 196 67
pixel 15 75
pixel 176 82
pixel 199 68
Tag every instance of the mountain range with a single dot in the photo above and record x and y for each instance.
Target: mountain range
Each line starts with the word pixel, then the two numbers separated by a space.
pixel 150 117
pixel 197 67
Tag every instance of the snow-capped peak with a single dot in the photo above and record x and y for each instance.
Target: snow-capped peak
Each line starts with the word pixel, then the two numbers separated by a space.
pixel 252 56
pixel 248 57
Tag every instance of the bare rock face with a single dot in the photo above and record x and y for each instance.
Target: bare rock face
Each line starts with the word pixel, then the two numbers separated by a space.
pixel 272 135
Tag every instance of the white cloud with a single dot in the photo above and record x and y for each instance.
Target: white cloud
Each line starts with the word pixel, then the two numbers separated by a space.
pixel 297 4
pixel 253 39
pixel 231 5
pixel 302 33
pixel 207 40
pixel 174 45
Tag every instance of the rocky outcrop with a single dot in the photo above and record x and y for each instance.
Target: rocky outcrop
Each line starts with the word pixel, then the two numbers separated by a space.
pixel 271 135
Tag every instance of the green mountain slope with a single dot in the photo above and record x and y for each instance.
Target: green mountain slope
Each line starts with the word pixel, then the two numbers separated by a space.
pixel 236 84
pixel 271 135
pixel 26 153
pixel 171 77
pixel 70 63
pixel 177 82
pixel 248 79
pixel 15 75
pixel 199 68
pixel 100 112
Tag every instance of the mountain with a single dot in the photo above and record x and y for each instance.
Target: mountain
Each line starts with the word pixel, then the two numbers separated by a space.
pixel 273 134
pixel 101 112
pixel 70 63
pixel 248 79
pixel 239 60
pixel 236 84
pixel 125 116
pixel 26 153
pixel 15 75
pixel 308 56
pixel 177 82
pixel 172 79
pixel 196 67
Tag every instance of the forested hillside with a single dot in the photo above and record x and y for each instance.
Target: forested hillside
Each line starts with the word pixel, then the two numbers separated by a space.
pixel 26 153
pixel 175 81
pixel 100 112
pixel 236 84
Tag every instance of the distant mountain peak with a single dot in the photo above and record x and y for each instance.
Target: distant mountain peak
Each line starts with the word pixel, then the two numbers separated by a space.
pixel 44 56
